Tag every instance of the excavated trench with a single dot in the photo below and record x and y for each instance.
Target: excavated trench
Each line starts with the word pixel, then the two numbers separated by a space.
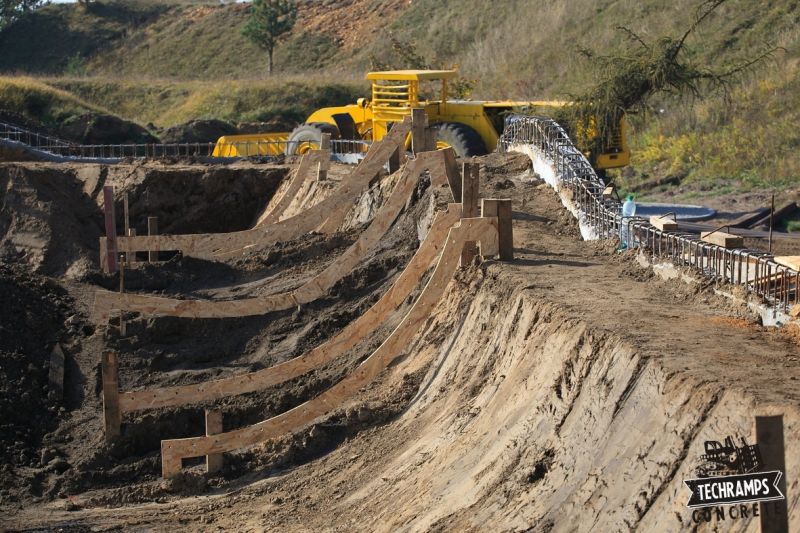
pixel 568 390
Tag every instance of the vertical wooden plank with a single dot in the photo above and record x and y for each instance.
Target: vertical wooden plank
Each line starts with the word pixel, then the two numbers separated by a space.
pixel 505 230
pixel 122 328
pixel 501 208
pixel 111 229
pixel 769 437
pixel 126 215
pixel 214 461
pixel 453 174
pixel 430 139
pixel 470 183
pixel 394 161
pixel 469 206
pixel 103 254
pixel 322 167
pixel 112 417
pixel 419 123
pixel 130 258
pixel 56 372
pixel 152 229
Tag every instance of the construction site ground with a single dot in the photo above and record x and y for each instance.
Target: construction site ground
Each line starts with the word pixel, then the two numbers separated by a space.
pixel 569 388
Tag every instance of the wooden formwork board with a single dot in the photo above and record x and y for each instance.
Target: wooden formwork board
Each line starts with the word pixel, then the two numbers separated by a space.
pixel 108 302
pixel 221 245
pixel 351 335
pixel 305 171
pixel 483 230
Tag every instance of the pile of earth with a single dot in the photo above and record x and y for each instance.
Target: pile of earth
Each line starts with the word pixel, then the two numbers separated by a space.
pixel 36 314
pixel 46 219
pixel 98 128
pixel 198 131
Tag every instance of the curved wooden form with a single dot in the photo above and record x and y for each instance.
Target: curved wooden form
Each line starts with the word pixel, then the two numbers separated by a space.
pixel 483 230
pixel 218 245
pixel 351 335
pixel 309 163
pixel 108 302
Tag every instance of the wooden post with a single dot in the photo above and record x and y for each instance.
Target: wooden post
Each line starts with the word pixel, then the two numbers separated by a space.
pixel 214 461
pixel 112 417
pixel 419 124
pixel 130 259
pixel 769 437
pixel 469 206
pixel 502 210
pixel 56 372
pixel 430 139
pixel 111 230
pixel 322 166
pixel 453 174
pixel 152 229
pixel 126 215
pixel 122 329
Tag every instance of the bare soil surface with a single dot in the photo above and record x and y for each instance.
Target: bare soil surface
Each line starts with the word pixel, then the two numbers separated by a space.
pixel 570 389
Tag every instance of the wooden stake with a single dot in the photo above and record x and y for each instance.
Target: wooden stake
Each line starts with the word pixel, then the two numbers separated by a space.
pixel 111 229
pixel 502 210
pixel 769 437
pixel 470 183
pixel 771 221
pixel 152 229
pixel 122 329
pixel 112 417
pixel 453 174
pixel 322 166
pixel 214 461
pixel 419 123
pixel 126 215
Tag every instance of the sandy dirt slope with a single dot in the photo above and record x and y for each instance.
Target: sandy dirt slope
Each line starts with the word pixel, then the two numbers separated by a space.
pixel 568 390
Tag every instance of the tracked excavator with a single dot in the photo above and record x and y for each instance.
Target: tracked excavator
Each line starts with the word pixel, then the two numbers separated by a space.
pixel 471 128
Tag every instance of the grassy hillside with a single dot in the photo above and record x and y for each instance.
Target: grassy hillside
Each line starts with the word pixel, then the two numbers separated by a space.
pixel 514 48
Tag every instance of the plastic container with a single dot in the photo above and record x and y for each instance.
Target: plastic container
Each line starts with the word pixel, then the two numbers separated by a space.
pixel 628 211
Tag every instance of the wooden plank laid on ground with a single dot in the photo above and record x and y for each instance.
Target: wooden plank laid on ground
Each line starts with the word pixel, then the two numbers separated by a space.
pixel 791 261
pixel 351 335
pixel 747 219
pixel 788 209
pixel 726 240
pixel 475 229
pixel 664 224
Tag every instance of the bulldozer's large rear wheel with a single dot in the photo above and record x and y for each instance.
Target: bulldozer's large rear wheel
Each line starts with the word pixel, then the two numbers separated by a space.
pixel 463 139
pixel 306 137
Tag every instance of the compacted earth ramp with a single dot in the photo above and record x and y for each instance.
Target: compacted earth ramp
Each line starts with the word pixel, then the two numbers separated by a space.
pixel 432 163
pixel 571 389
pixel 328 213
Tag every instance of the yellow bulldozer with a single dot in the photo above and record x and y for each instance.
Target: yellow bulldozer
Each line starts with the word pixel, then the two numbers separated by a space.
pixel 471 128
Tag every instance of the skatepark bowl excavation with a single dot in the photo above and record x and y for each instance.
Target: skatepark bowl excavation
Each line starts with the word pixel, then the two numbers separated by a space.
pixel 411 343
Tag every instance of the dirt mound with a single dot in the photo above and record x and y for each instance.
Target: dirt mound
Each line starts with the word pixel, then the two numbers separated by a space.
pixel 32 321
pixel 198 131
pixel 47 220
pixel 95 128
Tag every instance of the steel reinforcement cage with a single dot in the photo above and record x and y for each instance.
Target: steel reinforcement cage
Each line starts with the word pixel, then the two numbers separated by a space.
pixel 754 270
pixel 59 147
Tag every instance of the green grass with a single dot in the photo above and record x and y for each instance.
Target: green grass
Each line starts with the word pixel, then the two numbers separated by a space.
pixel 40 102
